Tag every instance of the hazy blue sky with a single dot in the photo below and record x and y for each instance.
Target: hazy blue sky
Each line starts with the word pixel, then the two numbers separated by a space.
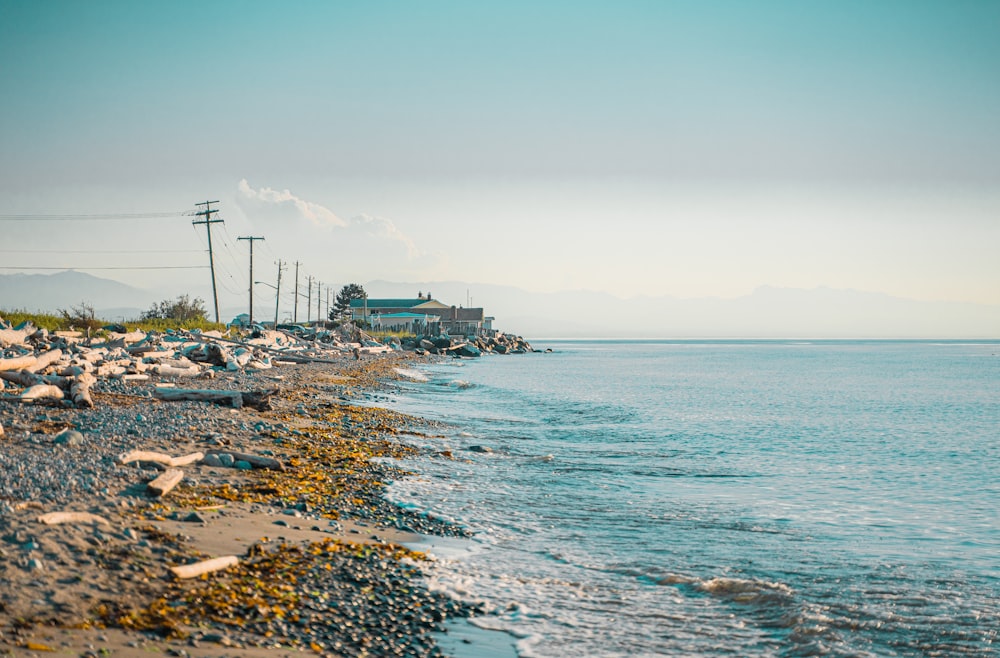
pixel 681 148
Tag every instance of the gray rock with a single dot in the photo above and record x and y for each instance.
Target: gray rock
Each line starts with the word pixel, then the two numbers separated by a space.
pixel 69 437
pixel 194 517
pixel 212 460
pixel 243 465
pixel 226 459
pixel 480 449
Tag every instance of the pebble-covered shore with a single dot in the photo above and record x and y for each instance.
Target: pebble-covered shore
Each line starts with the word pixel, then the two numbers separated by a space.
pixel 326 578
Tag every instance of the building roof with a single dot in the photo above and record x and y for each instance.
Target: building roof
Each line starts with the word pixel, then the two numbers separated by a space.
pixel 402 316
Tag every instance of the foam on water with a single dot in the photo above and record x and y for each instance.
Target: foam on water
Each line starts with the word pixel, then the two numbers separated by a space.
pixel 748 499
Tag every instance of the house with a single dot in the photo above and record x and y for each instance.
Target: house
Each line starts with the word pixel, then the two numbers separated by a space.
pixel 440 318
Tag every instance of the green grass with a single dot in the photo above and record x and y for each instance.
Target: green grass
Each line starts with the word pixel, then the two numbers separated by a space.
pixel 59 323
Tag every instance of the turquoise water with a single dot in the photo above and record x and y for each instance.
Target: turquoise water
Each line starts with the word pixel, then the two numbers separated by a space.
pixel 722 498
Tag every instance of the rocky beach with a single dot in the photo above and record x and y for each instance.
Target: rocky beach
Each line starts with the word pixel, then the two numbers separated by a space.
pixel 208 497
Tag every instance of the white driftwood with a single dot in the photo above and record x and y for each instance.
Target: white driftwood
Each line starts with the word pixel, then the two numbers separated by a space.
pixel 79 391
pixel 234 398
pixel 69 334
pixel 205 566
pixel 55 518
pixel 41 391
pixel 15 336
pixel 173 371
pixel 127 339
pixel 162 485
pixel 160 458
pixel 18 362
pixel 44 360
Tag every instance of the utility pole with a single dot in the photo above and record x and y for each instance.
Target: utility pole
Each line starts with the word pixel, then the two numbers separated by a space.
pixel 295 313
pixel 277 295
pixel 309 300
pixel 251 239
pixel 327 316
pixel 208 221
pixel 319 302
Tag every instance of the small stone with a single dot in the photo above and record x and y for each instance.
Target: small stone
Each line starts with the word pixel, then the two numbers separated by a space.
pixel 194 517
pixel 68 437
pixel 243 465
pixel 484 449
pixel 212 460
pixel 226 459
pixel 283 523
pixel 35 564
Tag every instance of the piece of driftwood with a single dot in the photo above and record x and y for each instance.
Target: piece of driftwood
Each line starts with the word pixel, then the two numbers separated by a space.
pixel 205 566
pixel 233 398
pixel 43 391
pixel 44 360
pixel 160 458
pixel 55 518
pixel 237 399
pixel 18 362
pixel 79 391
pixel 15 336
pixel 257 461
pixel 174 371
pixel 163 484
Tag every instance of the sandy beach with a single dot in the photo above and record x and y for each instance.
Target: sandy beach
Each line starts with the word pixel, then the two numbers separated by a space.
pixel 320 566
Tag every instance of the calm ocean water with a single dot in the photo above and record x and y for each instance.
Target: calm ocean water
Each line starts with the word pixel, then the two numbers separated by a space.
pixel 722 498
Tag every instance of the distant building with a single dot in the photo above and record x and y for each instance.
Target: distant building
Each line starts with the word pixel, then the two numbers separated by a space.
pixel 425 312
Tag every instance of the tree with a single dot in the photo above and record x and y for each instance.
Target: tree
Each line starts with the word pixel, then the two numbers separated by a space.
pixel 182 309
pixel 342 304
pixel 82 316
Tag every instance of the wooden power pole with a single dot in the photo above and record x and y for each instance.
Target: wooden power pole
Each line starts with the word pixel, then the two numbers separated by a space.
pixel 208 221
pixel 251 239
pixel 295 312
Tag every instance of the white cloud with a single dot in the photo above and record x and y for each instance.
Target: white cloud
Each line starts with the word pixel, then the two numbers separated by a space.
pixel 265 198
pixel 366 245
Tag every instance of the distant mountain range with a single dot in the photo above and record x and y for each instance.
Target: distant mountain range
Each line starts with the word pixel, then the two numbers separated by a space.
pixel 48 293
pixel 766 313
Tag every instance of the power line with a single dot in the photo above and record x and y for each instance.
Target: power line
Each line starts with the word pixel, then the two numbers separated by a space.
pixel 100 217
pixel 105 267
pixel 102 251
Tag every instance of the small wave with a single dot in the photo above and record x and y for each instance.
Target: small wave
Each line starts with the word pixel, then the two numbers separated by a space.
pixel 411 374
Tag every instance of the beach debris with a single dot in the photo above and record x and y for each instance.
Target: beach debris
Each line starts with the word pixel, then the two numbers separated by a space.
pixel 186 571
pixel 57 518
pixel 42 392
pixel 236 399
pixel 18 362
pixel 230 459
pixel 163 484
pixel 160 458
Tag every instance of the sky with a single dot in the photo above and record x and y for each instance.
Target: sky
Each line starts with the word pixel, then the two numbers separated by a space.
pixel 662 148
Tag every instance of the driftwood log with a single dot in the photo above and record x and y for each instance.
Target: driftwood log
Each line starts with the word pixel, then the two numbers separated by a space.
pixel 160 458
pixel 79 391
pixel 18 362
pixel 205 566
pixel 43 392
pixel 15 336
pixel 55 518
pixel 162 485
pixel 44 360
pixel 237 399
